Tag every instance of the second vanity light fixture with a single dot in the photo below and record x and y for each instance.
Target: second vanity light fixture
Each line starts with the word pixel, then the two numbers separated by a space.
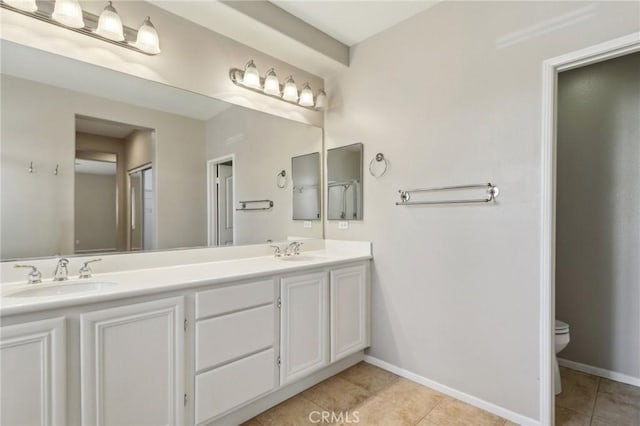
pixel 250 79
pixel 107 27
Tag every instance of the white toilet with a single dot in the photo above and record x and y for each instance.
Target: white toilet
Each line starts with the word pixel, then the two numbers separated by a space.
pixel 561 341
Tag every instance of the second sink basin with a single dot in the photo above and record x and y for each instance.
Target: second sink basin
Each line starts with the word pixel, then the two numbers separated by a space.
pixel 41 290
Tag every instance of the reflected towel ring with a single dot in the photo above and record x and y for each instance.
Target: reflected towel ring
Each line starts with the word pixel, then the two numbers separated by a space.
pixel 378 158
pixel 281 178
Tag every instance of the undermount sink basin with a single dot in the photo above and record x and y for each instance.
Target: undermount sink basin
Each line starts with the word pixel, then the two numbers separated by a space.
pixel 40 290
pixel 300 258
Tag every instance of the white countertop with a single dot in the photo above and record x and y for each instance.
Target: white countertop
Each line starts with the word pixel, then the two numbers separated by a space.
pixel 152 280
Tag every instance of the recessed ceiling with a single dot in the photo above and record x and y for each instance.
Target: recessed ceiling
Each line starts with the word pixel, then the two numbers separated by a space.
pixel 352 22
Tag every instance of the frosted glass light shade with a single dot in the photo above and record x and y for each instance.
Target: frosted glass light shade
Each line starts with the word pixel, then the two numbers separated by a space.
pixel 321 100
pixel 26 5
pixel 68 13
pixel 251 76
pixel 110 24
pixel 290 92
pixel 147 39
pixel 306 96
pixel 271 83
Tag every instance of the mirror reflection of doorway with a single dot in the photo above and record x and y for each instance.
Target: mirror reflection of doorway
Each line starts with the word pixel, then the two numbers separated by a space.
pixel 221 207
pixel 141 208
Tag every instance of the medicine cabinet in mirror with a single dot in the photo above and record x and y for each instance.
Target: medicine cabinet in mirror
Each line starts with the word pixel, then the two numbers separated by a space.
pixel 94 161
pixel 344 183
pixel 305 182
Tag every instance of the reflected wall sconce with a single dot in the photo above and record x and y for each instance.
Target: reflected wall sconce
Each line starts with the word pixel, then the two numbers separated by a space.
pixel 106 27
pixel 250 79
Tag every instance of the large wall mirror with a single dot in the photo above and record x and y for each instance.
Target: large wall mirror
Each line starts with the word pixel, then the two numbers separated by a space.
pixel 305 177
pixel 344 183
pixel 97 161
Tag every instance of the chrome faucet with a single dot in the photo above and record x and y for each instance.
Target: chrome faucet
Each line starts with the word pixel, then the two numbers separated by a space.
pixel 293 245
pixel 85 270
pixel 61 273
pixel 277 251
pixel 34 276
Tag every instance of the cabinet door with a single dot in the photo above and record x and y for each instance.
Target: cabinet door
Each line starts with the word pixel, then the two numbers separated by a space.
pixel 349 311
pixel 132 364
pixel 304 326
pixel 33 370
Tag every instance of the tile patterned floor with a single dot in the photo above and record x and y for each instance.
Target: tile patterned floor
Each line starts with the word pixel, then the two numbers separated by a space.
pixel 592 401
pixel 378 398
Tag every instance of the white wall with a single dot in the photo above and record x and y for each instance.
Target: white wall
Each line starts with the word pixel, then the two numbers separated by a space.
pixel 38 124
pixel 598 212
pixel 453 96
pixel 95 212
pixel 263 146
pixel 192 58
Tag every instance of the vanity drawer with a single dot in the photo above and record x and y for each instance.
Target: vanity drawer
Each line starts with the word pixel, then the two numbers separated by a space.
pixel 231 385
pixel 232 336
pixel 233 298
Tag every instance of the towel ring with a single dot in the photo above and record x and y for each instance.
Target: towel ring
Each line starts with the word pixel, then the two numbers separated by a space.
pixel 281 178
pixel 378 158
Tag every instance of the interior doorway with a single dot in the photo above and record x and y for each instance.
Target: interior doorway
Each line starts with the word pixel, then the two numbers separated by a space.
pixel 221 196
pixel 551 68
pixel 141 207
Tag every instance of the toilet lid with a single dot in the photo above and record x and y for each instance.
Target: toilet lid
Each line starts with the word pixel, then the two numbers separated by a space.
pixel 561 326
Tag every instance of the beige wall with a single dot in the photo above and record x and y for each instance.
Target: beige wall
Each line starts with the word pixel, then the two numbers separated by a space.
pixel 38 124
pixel 263 146
pixel 95 212
pixel 598 212
pixel 192 58
pixel 453 96
pixel 96 144
pixel 139 149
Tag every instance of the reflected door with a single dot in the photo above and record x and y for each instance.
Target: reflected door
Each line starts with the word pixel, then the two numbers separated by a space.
pixel 141 209
pixel 225 205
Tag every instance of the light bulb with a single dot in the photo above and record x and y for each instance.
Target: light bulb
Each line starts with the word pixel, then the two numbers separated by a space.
pixel 290 92
pixel 321 100
pixel 306 96
pixel 251 76
pixel 110 24
pixel 26 5
pixel 68 13
pixel 271 83
pixel 147 39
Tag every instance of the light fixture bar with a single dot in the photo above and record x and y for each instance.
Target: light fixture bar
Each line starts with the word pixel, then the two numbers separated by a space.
pixel 45 10
pixel 236 76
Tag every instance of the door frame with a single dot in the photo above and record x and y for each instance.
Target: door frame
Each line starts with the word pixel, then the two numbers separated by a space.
pixel 212 195
pixel 550 68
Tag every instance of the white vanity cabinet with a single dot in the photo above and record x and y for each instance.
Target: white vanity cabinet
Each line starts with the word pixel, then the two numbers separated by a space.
pixel 132 364
pixel 349 310
pixel 304 325
pixel 33 373
pixel 235 346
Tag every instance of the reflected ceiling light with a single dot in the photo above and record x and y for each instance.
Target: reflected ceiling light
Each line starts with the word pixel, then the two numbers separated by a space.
pixel 290 92
pixel 26 5
pixel 68 13
pixel 249 78
pixel 110 24
pixel 148 40
pixel 271 83
pixel 306 96
pixel 321 100
pixel 106 27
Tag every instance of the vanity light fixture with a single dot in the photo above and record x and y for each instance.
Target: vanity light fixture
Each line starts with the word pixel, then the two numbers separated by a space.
pixel 106 27
pixel 110 24
pixel 271 83
pixel 68 13
pixel 250 79
pixel 306 96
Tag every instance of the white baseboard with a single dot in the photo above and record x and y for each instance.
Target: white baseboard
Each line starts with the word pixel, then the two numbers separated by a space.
pixel 601 372
pixel 469 399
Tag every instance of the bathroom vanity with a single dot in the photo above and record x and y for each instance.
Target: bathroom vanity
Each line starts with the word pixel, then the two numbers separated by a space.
pixel 203 343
